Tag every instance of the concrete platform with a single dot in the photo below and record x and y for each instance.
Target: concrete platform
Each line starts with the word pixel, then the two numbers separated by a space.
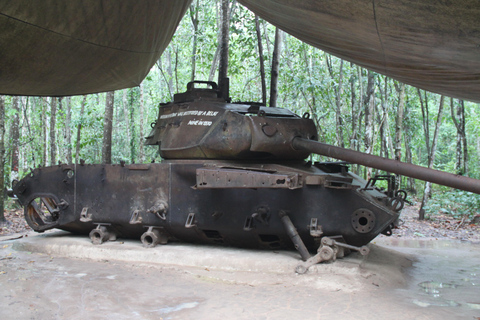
pixel 60 276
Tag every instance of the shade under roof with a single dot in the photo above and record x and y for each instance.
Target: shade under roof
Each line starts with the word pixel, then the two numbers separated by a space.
pixel 431 44
pixel 69 47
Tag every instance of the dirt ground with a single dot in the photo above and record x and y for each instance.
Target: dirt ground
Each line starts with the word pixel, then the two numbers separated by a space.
pixel 439 226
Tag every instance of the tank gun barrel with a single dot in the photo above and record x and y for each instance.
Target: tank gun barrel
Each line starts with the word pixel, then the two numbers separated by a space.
pixel 389 165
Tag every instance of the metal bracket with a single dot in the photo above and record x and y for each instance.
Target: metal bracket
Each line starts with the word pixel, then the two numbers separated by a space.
pixel 328 251
pixel 85 216
pixel 190 223
pixel 136 218
pixel 248 226
pixel 315 229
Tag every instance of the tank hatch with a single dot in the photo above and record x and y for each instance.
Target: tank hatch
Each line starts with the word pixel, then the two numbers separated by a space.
pixel 200 125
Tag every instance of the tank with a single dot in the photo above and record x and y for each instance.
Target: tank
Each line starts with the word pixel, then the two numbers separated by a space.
pixel 232 174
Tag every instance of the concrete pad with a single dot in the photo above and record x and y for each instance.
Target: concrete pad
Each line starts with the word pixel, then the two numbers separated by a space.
pixel 57 275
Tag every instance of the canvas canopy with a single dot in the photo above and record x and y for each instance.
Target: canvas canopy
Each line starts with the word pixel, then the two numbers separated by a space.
pixel 431 44
pixel 53 47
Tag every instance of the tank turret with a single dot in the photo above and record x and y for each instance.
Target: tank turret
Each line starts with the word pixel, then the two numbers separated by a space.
pixel 200 125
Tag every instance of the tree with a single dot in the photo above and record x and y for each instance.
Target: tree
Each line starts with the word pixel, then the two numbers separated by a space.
pixel 338 100
pixel 3 221
pixel 141 121
pixel 461 164
pixel 431 155
pixel 79 129
pixel 53 143
pixel 15 134
pixel 369 103
pixel 260 59
pixel 223 83
pixel 277 48
pixel 68 131
pixel 194 17
pixel 107 128
pixel 399 120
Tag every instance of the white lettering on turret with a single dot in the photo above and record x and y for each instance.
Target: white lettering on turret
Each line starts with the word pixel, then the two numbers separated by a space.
pixel 199 123
pixel 190 113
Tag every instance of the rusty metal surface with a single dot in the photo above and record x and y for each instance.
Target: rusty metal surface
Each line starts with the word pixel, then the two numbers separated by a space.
pixel 199 125
pixel 389 165
pixel 234 178
pixel 156 202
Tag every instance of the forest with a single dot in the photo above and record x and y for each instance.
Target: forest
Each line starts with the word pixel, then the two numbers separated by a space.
pixel 351 106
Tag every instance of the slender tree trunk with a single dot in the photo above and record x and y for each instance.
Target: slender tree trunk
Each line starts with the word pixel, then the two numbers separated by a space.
pixel 431 159
pixel 399 121
pixel 339 109
pixel 223 84
pixel 462 151
pixel 426 121
pixel 43 122
pixel 79 129
pixel 126 121
pixel 3 221
pixel 261 61
pixel 369 103
pixel 15 129
pixel 141 122
pixel 216 56
pixel 132 121
pixel 53 143
pixel 194 18
pixel 353 103
pixel 408 158
pixel 277 48
pixel 107 128
pixel 68 131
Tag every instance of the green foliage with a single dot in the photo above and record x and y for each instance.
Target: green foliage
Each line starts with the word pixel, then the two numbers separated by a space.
pixel 454 202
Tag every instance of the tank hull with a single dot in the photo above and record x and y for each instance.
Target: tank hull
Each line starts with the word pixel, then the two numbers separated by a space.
pixel 206 201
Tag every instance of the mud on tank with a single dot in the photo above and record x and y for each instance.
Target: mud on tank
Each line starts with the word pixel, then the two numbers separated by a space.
pixel 230 175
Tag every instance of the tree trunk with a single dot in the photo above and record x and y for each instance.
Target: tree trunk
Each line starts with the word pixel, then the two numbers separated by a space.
pixel 260 57
pixel 369 103
pixel 3 221
pixel 339 109
pixel 107 128
pixel 431 159
pixel 141 122
pixel 68 131
pixel 223 84
pixel 399 121
pixel 408 158
pixel 126 121
pixel 132 121
pixel 53 143
pixel 79 129
pixel 355 115
pixel 194 18
pixel 15 129
pixel 277 48
pixel 43 123
pixel 426 121
pixel 216 56
pixel 461 164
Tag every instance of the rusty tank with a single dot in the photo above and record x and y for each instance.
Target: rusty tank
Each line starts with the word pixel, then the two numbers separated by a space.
pixel 232 174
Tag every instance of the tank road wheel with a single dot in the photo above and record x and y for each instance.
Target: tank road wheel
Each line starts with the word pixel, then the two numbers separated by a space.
pixel 42 213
